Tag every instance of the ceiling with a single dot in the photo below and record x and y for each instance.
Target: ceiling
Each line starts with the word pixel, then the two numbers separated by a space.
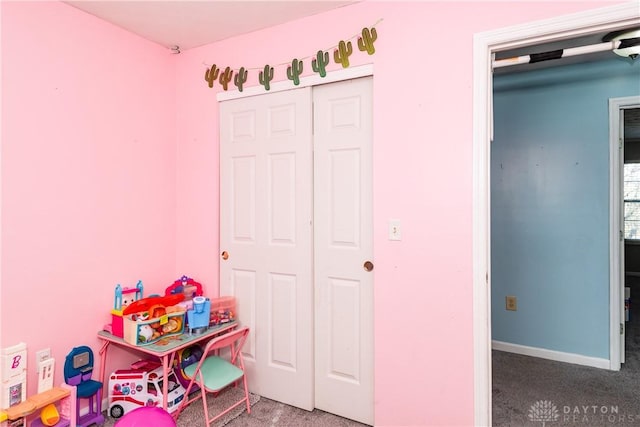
pixel 189 24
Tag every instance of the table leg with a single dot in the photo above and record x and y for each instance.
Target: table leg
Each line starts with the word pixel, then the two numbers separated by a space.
pixel 165 377
pixel 103 359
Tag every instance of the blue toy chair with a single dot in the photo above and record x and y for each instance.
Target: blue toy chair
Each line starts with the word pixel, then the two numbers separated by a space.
pixel 78 367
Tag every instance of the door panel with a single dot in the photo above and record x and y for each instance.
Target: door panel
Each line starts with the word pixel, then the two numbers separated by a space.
pixel 342 244
pixel 265 227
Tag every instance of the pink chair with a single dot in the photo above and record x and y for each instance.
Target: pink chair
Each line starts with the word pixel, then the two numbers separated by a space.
pixel 217 370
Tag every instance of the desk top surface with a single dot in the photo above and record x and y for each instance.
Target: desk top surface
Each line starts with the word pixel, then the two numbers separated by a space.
pixel 170 344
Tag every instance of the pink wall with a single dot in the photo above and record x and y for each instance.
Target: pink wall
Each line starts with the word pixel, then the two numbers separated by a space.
pixel 422 175
pixel 88 174
pixel 110 175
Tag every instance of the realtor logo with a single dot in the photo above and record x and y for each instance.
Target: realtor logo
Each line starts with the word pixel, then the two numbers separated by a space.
pixel 543 411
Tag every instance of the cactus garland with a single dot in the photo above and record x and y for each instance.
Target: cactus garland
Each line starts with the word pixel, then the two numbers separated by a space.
pixel 211 75
pixel 294 71
pixel 241 78
pixel 366 41
pixel 341 55
pixel 225 78
pixel 318 64
pixel 266 76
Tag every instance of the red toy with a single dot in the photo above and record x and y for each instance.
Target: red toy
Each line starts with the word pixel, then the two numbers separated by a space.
pixel 185 286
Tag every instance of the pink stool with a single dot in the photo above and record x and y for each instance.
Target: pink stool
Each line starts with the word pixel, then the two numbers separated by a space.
pixel 146 416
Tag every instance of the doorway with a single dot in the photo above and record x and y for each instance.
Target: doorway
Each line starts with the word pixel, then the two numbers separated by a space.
pixel 485 46
pixel 625 129
pixel 295 236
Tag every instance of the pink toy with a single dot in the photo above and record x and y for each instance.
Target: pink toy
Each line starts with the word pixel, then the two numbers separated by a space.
pixel 146 416
pixel 186 286
pixel 122 299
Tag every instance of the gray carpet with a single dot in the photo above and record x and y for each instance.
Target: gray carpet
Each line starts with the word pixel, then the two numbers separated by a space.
pixel 269 413
pixel 264 412
pixel 582 396
pixel 193 415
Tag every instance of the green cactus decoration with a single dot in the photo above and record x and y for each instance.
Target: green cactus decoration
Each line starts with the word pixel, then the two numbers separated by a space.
pixel 264 77
pixel 341 55
pixel 211 75
pixel 240 79
pixel 366 41
pixel 294 71
pixel 225 78
pixel 318 64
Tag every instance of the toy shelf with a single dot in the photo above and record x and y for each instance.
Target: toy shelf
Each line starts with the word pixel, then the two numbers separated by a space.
pixel 39 401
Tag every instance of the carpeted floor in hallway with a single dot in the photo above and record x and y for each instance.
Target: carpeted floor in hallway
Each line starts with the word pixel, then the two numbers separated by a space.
pixel 525 389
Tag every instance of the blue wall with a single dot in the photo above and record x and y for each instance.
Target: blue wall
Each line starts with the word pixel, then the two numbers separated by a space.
pixel 550 204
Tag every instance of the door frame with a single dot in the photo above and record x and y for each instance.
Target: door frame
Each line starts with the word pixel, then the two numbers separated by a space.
pixel 485 45
pixel 616 214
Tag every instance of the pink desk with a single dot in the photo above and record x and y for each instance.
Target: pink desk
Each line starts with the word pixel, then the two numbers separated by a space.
pixel 165 350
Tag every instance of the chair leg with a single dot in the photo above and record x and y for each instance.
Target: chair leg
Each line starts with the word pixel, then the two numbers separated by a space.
pixel 246 393
pixel 204 403
pixel 99 401
pixel 186 401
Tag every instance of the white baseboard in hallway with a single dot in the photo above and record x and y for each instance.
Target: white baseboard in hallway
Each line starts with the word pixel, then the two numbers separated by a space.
pixel 558 356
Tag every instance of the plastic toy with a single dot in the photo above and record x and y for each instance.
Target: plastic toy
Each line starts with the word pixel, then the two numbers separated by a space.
pixel 14 375
pixel 186 286
pixel 46 402
pixel 185 357
pixel 78 368
pixel 49 415
pixel 122 299
pixel 222 310
pixel 198 317
pixel 146 416
pixel 148 320
pixel 142 386
pixel 146 332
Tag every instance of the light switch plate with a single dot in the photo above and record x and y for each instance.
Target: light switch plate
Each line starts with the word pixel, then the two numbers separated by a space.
pixel 394 229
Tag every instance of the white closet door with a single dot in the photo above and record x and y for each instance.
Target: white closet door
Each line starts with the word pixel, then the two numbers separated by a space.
pixel 342 246
pixel 266 234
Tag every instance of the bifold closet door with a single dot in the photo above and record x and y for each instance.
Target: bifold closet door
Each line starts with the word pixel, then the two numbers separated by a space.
pixel 266 237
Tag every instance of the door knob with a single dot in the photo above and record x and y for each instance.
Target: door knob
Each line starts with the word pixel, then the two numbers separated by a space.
pixel 368 265
pixel 225 255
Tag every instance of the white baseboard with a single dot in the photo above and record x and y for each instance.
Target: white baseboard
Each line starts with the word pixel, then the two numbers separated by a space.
pixel 558 356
